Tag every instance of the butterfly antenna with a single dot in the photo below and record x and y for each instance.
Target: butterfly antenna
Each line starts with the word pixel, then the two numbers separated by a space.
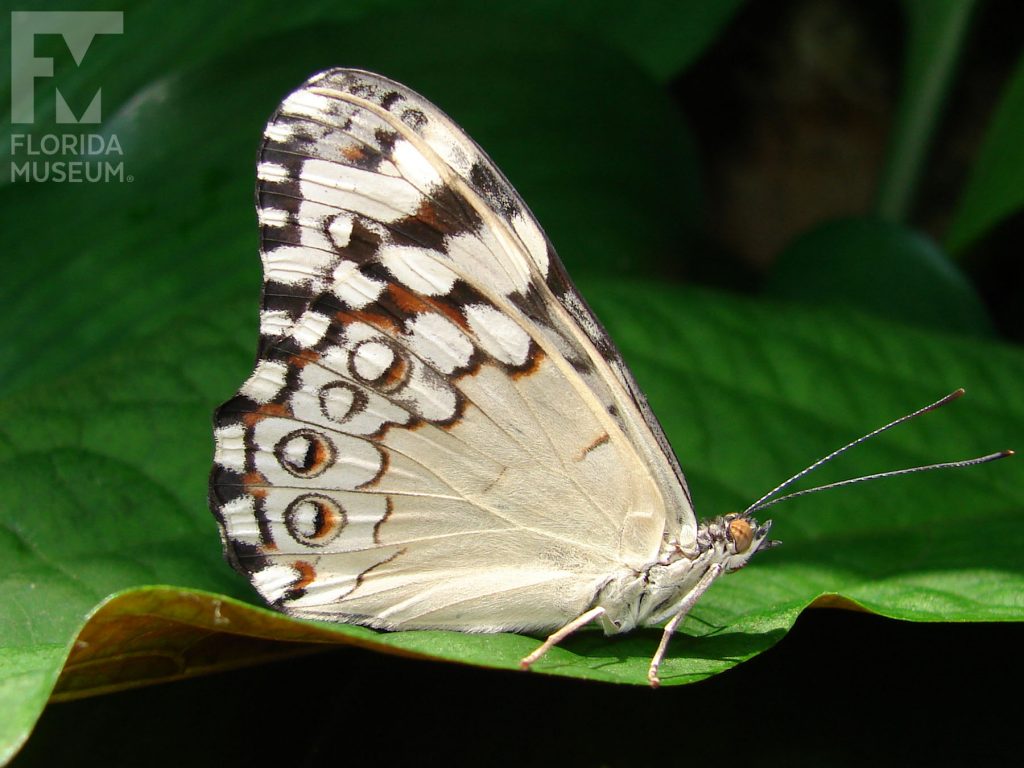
pixel 769 498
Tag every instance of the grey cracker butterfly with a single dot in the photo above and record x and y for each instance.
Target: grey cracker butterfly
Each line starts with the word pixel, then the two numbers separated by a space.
pixel 438 432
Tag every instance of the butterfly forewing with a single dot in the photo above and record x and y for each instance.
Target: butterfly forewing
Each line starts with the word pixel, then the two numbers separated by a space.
pixel 438 433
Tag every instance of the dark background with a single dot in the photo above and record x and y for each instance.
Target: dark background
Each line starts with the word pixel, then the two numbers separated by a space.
pixel 840 689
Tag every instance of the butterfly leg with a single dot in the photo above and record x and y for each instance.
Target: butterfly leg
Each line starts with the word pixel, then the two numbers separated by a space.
pixel 557 637
pixel 684 608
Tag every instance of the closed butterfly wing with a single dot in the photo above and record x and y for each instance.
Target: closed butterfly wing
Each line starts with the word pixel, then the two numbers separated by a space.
pixel 438 433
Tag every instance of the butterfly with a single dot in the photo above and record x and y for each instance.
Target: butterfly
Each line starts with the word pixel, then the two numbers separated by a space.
pixel 438 433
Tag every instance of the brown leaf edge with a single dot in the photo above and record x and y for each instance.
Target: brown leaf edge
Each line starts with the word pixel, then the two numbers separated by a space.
pixel 158 634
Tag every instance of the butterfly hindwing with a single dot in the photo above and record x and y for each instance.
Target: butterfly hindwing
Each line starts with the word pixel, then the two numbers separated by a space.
pixel 437 433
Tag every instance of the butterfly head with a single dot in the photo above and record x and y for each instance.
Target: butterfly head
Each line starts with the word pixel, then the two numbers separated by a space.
pixel 736 537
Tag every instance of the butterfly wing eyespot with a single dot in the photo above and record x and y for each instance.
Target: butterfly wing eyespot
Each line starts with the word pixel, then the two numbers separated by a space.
pixel 314 519
pixel 305 453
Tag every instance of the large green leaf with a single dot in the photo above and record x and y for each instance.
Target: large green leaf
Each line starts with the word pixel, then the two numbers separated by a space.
pixel 881 267
pixel 663 37
pixel 995 189
pixel 104 477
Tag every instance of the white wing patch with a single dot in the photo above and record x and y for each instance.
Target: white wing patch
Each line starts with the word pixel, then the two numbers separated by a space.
pixel 377 197
pixel 439 341
pixel 353 287
pixel 414 167
pixel 499 334
pixel 310 328
pixel 266 381
pixel 418 269
pixel 483 260
pixel 230 447
pixel 274 322
pixel 240 520
pixel 295 265
pixel 340 230
pixel 533 239
pixel 271 172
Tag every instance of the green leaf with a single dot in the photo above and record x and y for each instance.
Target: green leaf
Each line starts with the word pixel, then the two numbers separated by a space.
pixel 937 30
pixel 879 267
pixel 663 37
pixel 104 479
pixel 996 186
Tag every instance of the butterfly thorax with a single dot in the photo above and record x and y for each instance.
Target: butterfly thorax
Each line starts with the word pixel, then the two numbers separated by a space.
pixel 653 595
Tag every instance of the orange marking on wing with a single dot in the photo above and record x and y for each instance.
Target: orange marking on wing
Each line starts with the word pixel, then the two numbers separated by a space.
pixel 329 520
pixel 414 303
pixel 321 455
pixel 395 374
pixel 254 478
pixel 596 443
pixel 307 574
pixel 374 319
pixel 408 301
pixel 536 358
pixel 353 153
pixel 303 358
pixel 265 411
pixel 427 213
pixel 255 484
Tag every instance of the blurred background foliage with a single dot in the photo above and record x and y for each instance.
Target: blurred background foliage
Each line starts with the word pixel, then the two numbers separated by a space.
pixel 838 153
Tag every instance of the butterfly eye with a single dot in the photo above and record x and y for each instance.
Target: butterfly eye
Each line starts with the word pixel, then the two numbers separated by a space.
pixel 305 453
pixel 314 519
pixel 742 533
